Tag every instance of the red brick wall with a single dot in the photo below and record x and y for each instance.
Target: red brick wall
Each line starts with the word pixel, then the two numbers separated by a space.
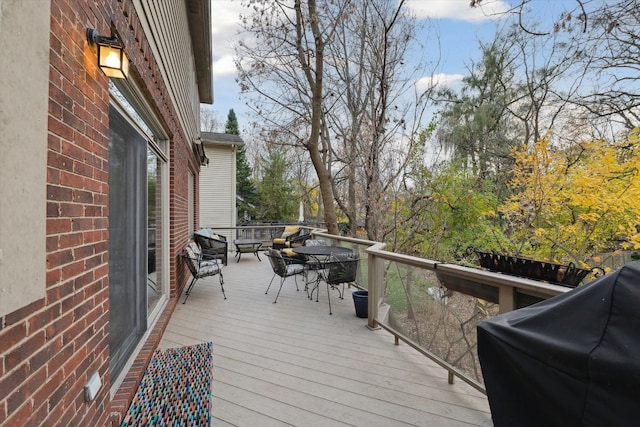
pixel 50 348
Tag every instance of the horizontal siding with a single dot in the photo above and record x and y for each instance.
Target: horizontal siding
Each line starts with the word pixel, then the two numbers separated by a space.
pixel 217 188
pixel 172 43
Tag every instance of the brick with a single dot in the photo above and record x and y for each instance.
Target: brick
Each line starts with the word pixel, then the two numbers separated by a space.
pixel 93 211
pixel 22 393
pixel 95 340
pixel 58 326
pixel 82 224
pixel 20 417
pixel 55 413
pixel 58 396
pixel 24 312
pixel 43 318
pixel 84 368
pixel 53 210
pixel 59 258
pixel 93 262
pixel 73 269
pixel 12 336
pixel 54 143
pixel 70 179
pixel 58 360
pixel 42 356
pixel 91 236
pixel 93 185
pixel 102 248
pixel 53 243
pixel 60 291
pixel 22 352
pixel 58 193
pixel 58 225
pixel 67 415
pixel 82 252
pixel 60 129
pixel 83 169
pixel 71 119
pixel 72 151
pixel 82 282
pixel 84 308
pixel 53 176
pixel 60 97
pixel 71 210
pixel 53 278
pixel 70 365
pixel 13 380
pixel 70 240
pixel 68 304
pixel 82 196
pixel 35 420
pixel 59 161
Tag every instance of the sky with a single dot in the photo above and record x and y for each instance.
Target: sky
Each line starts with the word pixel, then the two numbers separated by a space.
pixel 459 29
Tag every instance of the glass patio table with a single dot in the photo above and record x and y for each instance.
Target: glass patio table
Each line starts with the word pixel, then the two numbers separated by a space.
pixel 244 246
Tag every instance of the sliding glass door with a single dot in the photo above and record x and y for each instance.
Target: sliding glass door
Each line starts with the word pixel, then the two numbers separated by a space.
pixel 128 251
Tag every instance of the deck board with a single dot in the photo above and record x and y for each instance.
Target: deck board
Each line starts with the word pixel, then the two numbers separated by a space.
pixel 292 363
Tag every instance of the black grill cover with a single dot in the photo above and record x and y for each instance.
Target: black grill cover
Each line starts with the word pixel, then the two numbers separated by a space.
pixel 572 360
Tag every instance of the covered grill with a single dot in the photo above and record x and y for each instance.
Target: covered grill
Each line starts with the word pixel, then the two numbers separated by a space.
pixel 572 360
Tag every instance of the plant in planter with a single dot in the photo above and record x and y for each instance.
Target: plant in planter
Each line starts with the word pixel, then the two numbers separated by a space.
pixel 566 275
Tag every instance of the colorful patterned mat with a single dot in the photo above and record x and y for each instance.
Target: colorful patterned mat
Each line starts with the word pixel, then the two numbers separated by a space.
pixel 175 389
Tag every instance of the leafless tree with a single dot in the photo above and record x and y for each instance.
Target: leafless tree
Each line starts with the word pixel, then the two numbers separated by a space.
pixel 333 75
pixel 284 66
pixel 373 109
pixel 210 121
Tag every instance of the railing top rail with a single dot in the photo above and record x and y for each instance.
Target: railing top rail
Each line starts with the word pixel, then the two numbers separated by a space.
pixel 470 273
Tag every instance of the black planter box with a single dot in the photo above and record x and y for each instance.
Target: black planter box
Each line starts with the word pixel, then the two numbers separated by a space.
pixel 565 275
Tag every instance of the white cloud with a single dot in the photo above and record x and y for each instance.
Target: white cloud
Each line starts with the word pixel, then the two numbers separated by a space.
pixel 452 81
pixel 225 23
pixel 224 66
pixel 457 9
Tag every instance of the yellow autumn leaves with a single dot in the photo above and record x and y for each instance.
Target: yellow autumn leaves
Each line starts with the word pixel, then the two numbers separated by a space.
pixel 570 204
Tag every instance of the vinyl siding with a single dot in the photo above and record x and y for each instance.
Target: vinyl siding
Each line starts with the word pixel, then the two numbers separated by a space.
pixel 218 188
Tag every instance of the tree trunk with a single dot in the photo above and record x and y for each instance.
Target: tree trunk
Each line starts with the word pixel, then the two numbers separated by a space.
pixel 315 82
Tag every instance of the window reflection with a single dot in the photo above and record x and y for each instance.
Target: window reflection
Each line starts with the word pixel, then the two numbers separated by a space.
pixel 154 221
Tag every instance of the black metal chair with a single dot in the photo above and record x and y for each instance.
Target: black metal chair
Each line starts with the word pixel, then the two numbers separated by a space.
pixel 283 269
pixel 284 239
pixel 200 267
pixel 300 240
pixel 213 245
pixel 341 269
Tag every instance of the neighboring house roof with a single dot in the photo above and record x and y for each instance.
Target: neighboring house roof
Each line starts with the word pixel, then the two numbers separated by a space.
pixel 221 139
pixel 199 17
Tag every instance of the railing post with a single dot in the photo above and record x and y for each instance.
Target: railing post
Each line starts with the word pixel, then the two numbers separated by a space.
pixel 506 299
pixel 375 282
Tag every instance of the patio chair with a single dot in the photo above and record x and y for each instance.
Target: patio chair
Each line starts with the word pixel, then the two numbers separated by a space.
pixel 300 240
pixel 200 267
pixel 213 245
pixel 341 269
pixel 290 232
pixel 282 269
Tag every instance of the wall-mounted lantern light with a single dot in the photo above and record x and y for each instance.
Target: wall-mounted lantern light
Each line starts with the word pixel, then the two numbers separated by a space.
pixel 111 55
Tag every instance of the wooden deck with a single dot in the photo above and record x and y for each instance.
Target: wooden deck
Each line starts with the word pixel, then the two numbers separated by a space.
pixel 291 363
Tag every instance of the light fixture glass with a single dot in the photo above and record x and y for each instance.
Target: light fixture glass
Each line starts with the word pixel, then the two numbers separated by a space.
pixel 113 61
pixel 112 58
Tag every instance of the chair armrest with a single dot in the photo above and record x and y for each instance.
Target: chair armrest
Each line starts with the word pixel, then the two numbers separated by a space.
pixel 299 239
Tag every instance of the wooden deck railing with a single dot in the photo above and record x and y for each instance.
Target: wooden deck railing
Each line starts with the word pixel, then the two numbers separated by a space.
pixel 508 292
